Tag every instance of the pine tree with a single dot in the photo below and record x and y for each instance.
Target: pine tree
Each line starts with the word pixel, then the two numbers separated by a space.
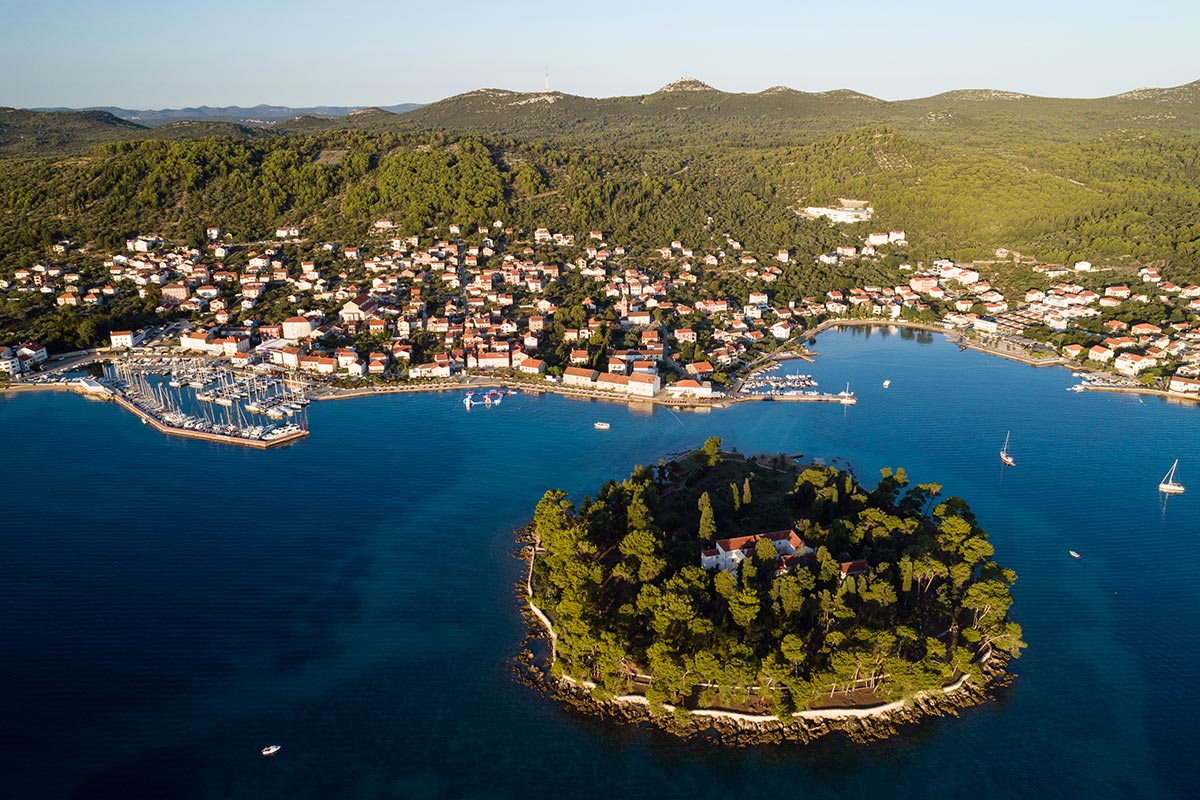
pixel 708 524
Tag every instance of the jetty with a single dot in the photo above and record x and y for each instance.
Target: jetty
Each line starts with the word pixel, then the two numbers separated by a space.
pixel 267 440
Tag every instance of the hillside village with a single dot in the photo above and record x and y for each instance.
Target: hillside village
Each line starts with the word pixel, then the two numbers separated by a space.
pixel 582 311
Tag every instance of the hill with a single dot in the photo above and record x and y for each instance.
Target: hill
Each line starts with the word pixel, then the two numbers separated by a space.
pixel 47 132
pixel 687 109
pixel 261 114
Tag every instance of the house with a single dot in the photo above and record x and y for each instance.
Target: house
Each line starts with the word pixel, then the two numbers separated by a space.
pixel 642 385
pixel 1074 350
pixel 576 376
pixel 689 388
pixel 1132 364
pixel 194 340
pixel 175 291
pixel 1182 385
pixel 126 338
pixel 857 567
pixel 685 335
pixel 433 370
pixel 729 554
pixel 10 362
pixel 297 328
pixel 1100 354
pixel 700 369
pixel 532 366
pixel 782 330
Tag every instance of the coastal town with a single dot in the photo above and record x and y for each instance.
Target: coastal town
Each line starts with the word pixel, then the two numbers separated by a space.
pixel 579 314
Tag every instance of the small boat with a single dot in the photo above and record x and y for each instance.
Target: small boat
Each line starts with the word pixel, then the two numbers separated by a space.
pixel 601 426
pixel 887 383
pixel 271 749
pixel 1168 485
pixel 1073 554
pixel 1006 459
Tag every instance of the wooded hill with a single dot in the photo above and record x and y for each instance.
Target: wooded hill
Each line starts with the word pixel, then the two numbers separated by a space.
pixel 621 580
pixel 1112 180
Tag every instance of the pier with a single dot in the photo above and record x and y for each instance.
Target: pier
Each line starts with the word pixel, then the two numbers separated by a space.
pixel 211 436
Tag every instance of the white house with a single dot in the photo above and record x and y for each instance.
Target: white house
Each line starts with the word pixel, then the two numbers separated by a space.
pixel 126 339
pixel 730 553
pixel 689 388
pixel 297 328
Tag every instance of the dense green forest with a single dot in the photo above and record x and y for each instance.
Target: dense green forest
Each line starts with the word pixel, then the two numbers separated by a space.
pixel 620 577
pixel 1119 197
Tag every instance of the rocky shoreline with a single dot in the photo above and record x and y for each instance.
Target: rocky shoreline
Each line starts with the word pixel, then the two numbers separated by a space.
pixel 859 724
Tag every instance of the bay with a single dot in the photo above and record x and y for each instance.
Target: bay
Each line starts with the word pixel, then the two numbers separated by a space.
pixel 169 607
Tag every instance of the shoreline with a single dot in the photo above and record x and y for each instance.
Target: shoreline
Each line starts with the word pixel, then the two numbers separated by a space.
pixel 718 401
pixel 860 723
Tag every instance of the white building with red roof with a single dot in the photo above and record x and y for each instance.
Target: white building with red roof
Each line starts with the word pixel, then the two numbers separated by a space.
pixel 730 553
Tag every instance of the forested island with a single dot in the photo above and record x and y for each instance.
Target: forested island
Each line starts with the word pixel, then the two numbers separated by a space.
pixel 716 590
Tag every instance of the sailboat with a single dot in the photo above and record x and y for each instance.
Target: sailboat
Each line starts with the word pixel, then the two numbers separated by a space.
pixel 1005 458
pixel 1169 485
pixel 846 397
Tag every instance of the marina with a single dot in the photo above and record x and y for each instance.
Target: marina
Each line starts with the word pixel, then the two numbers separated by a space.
pixel 217 411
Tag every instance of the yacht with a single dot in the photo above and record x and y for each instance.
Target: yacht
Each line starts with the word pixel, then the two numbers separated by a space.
pixel 846 397
pixel 887 383
pixel 1005 457
pixel 271 749
pixel 1168 485
pixel 1073 554
pixel 601 426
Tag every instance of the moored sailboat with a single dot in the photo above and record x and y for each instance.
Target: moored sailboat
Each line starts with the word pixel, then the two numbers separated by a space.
pixel 1005 457
pixel 1168 485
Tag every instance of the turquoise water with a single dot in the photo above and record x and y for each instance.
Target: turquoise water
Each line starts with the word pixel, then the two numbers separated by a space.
pixel 170 607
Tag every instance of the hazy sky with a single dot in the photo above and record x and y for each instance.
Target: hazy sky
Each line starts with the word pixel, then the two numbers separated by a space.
pixel 171 53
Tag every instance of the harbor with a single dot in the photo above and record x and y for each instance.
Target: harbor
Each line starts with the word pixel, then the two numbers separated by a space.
pixel 206 402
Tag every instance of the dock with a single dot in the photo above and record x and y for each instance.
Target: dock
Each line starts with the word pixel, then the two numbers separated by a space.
pixel 221 438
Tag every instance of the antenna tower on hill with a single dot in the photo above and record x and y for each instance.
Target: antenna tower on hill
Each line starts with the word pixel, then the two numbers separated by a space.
pixel 547 78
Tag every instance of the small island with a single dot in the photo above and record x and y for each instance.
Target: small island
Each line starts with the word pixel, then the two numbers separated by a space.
pixel 758 599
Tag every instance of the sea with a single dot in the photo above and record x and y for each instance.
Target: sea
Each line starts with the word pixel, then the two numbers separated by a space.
pixel 168 607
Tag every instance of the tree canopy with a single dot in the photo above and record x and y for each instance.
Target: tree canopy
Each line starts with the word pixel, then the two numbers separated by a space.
pixel 888 595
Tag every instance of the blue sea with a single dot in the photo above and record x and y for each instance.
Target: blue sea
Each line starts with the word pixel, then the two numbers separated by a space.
pixel 169 607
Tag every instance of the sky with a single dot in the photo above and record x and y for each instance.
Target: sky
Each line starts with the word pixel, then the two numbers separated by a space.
pixel 145 54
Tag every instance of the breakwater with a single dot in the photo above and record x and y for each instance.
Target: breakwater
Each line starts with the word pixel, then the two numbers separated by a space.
pixel 172 430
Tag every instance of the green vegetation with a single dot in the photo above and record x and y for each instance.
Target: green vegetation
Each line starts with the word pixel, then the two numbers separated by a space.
pixel 1115 181
pixel 621 579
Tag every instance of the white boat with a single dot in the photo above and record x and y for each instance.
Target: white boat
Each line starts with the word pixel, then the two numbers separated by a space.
pixel 1005 458
pixel 887 383
pixel 846 397
pixel 1073 554
pixel 271 749
pixel 601 426
pixel 1169 485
